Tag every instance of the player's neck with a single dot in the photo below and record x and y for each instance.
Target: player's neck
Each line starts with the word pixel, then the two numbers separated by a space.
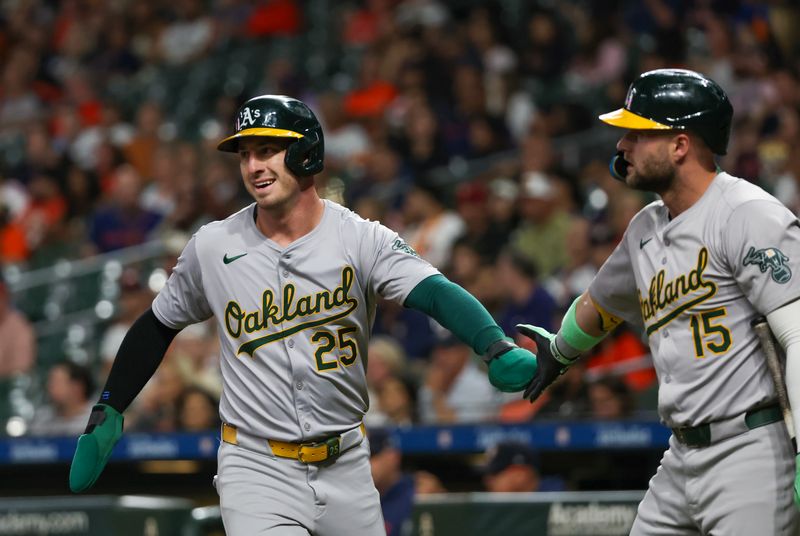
pixel 284 227
pixel 686 190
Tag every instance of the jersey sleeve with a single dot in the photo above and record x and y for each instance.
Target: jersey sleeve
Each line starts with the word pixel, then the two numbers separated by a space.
pixel 393 267
pixel 614 286
pixel 182 300
pixel 761 243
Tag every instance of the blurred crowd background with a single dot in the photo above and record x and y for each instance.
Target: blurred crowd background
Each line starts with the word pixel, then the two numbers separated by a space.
pixel 469 127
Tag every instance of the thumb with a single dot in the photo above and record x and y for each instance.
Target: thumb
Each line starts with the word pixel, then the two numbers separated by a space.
pixel 539 335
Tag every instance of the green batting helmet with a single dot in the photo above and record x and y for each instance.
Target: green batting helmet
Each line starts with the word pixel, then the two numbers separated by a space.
pixel 277 116
pixel 677 99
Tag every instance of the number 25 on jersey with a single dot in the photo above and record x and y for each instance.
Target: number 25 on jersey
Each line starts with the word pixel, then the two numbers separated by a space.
pixel 329 342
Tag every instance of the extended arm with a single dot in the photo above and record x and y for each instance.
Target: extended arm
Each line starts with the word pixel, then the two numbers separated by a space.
pixel 138 357
pixel 510 367
pixel 584 325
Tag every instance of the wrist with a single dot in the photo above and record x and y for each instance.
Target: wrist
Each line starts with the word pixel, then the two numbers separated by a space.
pixel 566 356
pixel 498 348
pixel 572 339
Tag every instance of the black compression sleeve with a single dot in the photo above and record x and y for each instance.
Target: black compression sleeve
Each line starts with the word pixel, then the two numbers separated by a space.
pixel 138 357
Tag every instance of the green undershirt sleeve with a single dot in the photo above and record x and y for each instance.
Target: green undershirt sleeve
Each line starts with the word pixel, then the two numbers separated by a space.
pixel 457 310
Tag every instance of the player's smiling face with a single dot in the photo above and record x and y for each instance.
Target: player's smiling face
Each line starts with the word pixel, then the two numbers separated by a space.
pixel 650 167
pixel 264 172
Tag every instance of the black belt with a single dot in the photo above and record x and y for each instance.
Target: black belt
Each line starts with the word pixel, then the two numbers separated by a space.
pixel 705 434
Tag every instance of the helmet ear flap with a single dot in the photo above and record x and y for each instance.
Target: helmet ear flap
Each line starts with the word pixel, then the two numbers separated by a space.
pixel 304 156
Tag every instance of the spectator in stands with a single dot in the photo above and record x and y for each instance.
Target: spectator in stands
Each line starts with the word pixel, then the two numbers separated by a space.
pixel 567 398
pixel 134 299
pixel 383 177
pixel 346 142
pixel 623 354
pixel 525 297
pixel 412 329
pixel 426 483
pixel 19 104
pixel 568 283
pixel 502 206
pixel 421 143
pixel 188 36
pixel 610 398
pixel 396 487
pixel 432 227
pixel 17 340
pixel 195 354
pixel 386 360
pixel 471 201
pixel 455 391
pixel 122 222
pixel 472 271
pixel 159 194
pixel 142 145
pixel 69 390
pixel 397 400
pixel 547 51
pixel 44 215
pixel 543 232
pixel 220 190
pixel 511 467
pixel 81 191
pixel 13 244
pixel 156 407
pixel 197 410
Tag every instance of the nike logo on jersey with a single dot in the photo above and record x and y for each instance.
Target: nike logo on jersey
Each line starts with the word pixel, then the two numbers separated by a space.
pixel 643 243
pixel 228 260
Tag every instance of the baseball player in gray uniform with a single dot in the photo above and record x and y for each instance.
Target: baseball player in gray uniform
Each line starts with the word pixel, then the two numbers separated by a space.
pixel 292 281
pixel 692 270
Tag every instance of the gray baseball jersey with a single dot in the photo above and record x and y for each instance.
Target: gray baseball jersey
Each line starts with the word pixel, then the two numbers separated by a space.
pixel 294 322
pixel 694 283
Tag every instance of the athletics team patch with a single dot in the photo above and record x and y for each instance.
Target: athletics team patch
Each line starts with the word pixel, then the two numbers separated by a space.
pixel 771 259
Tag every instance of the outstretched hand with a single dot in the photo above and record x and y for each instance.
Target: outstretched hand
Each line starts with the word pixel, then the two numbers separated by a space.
pixel 94 447
pixel 513 370
pixel 551 363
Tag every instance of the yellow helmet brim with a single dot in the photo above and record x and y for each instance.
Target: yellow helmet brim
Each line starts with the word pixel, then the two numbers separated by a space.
pixel 626 119
pixel 231 143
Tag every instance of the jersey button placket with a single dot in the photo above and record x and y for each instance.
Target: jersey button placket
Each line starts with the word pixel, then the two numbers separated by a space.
pixel 286 257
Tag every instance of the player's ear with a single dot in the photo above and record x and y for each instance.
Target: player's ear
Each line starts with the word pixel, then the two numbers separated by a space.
pixel 679 146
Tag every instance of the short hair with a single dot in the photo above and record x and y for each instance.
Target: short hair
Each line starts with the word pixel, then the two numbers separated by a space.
pixel 78 373
pixel 522 263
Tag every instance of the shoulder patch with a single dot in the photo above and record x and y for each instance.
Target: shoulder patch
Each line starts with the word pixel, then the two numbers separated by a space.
pixel 400 245
pixel 771 259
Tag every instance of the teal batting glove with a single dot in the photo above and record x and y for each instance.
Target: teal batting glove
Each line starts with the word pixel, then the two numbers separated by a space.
pixel 511 368
pixel 797 482
pixel 94 447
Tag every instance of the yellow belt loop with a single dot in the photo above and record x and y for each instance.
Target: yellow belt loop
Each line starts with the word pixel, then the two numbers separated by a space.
pixel 229 434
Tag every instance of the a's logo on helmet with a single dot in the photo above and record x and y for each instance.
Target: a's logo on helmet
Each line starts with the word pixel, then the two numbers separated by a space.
pixel 628 99
pixel 247 117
